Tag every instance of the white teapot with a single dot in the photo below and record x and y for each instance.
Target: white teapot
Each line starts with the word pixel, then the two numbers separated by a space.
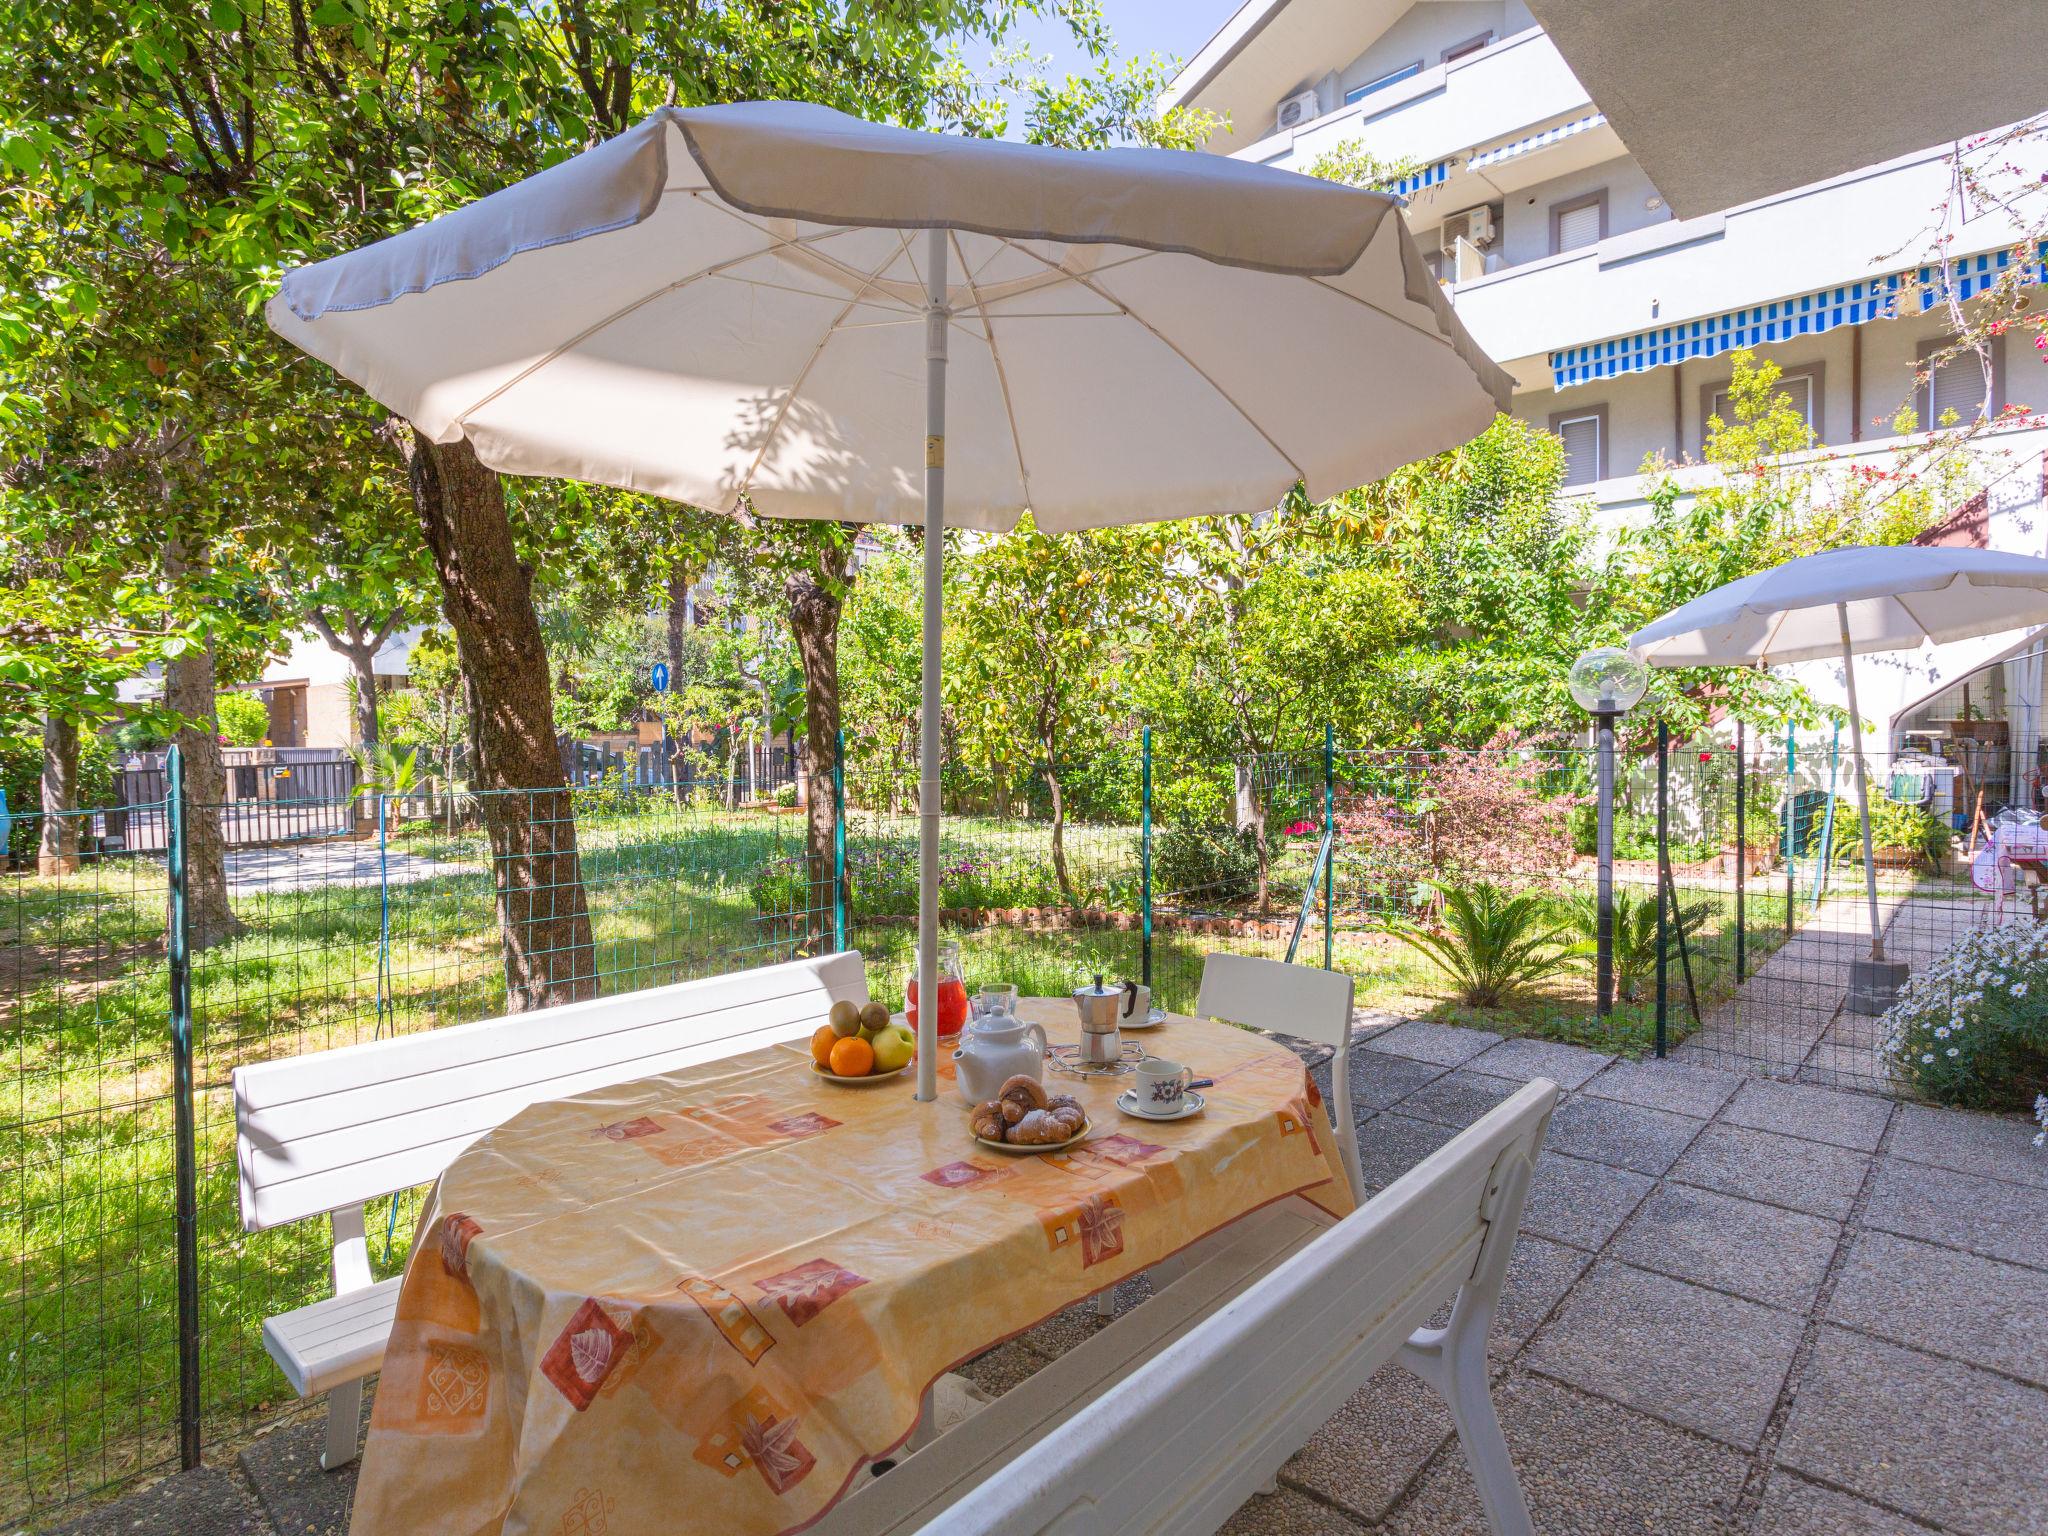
pixel 995 1048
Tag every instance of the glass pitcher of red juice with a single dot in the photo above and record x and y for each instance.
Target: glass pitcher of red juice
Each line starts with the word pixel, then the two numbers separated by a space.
pixel 952 993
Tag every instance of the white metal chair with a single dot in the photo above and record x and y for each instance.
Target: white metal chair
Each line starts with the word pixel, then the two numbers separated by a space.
pixel 1293 1000
pixel 1289 1000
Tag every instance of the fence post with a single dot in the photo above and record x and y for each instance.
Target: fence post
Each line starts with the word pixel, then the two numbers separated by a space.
pixel 1145 853
pixel 1329 842
pixel 839 842
pixel 177 943
pixel 1741 851
pixel 1663 866
pixel 1791 800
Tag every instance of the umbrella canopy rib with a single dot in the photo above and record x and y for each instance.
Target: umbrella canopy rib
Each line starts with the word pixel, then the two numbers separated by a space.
pixel 1153 331
pixel 996 356
pixel 796 386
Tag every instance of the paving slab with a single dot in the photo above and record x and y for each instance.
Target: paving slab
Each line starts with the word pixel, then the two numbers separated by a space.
pixel 1373 1447
pixel 202 1502
pixel 1816 1114
pixel 1447 1045
pixel 1679 1352
pixel 1794 1507
pixel 1587 1468
pixel 1810 1176
pixel 1390 1144
pixel 1287 1513
pixel 1695 1091
pixel 1459 1097
pixel 1539 1274
pixel 1946 1442
pixel 1380 1081
pixel 1764 1252
pixel 1987 1216
pixel 1955 1304
pixel 1578 1202
pixel 1989 1146
pixel 300 1496
pixel 1522 1059
pixel 1623 1135
pixel 1074 1325
pixel 1003 1367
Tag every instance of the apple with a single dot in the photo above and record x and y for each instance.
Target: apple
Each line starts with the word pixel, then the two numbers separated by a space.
pixel 893 1049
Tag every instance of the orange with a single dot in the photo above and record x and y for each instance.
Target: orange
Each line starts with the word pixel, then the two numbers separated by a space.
pixel 852 1057
pixel 821 1044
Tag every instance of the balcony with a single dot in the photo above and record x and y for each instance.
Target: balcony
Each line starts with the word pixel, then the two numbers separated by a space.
pixel 1497 93
pixel 1845 231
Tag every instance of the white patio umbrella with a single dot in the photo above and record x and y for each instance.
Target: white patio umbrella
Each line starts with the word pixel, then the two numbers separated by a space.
pixel 1846 602
pixel 758 303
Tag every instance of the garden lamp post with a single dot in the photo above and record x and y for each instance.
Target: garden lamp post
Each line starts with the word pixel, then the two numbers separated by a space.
pixel 1607 683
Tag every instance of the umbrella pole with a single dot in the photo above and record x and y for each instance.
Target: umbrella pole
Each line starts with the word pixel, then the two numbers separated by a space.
pixel 936 319
pixel 1862 786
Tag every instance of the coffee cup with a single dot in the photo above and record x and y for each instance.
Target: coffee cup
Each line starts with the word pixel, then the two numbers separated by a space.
pixel 1162 1086
pixel 1136 1009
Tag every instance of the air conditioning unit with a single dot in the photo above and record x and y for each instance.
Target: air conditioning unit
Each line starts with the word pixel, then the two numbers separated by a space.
pixel 1301 108
pixel 1475 226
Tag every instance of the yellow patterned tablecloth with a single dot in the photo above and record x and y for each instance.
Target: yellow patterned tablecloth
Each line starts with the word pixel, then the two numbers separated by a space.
pixel 705 1301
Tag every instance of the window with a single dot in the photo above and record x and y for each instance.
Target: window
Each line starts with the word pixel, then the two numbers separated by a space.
pixel 1394 77
pixel 1958 385
pixel 1581 221
pixel 1471 45
pixel 1802 386
pixel 1584 433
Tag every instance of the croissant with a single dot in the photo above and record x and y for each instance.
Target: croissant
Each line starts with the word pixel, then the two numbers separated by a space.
pixel 1065 1101
pixel 988 1121
pixel 1070 1117
pixel 1026 1092
pixel 1010 1110
pixel 1037 1128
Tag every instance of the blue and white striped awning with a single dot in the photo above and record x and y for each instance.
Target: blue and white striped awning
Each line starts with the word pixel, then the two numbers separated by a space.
pixel 1428 176
pixel 1810 314
pixel 1483 158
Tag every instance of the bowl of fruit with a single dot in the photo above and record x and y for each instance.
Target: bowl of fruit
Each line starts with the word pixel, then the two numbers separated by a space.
pixel 860 1044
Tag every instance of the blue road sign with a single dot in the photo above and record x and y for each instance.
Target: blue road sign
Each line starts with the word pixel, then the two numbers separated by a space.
pixel 661 677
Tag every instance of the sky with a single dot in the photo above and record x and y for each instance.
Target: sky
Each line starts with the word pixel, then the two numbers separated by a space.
pixel 1170 28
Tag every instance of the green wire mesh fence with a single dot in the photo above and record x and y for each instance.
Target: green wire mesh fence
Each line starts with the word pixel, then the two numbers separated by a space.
pixel 1136 865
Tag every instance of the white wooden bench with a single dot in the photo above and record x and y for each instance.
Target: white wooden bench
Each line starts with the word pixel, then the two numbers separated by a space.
pixel 1171 1417
pixel 327 1132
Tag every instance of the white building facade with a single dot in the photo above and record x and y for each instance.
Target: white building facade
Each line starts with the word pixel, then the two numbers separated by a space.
pixel 1615 318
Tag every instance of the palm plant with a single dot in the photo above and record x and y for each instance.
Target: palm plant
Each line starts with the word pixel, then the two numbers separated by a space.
pixel 1635 933
pixel 1492 944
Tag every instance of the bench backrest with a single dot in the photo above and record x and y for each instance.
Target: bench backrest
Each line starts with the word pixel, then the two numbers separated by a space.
pixel 1183 1441
pixel 330 1129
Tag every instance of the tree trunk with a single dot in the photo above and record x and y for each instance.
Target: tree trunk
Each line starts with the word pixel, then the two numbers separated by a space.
pixel 57 844
pixel 487 595
pixel 189 691
pixel 816 599
pixel 1262 853
pixel 359 660
pixel 678 627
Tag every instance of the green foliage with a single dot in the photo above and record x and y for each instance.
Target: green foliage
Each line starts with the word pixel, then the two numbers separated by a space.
pixel 1350 162
pixel 1635 933
pixel 21 775
pixel 1895 826
pixel 393 772
pixel 1492 945
pixel 1972 1028
pixel 242 719
pixel 1205 865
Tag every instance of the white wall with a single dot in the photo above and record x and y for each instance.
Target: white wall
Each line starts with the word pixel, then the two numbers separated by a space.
pixel 1420 36
pixel 1525 232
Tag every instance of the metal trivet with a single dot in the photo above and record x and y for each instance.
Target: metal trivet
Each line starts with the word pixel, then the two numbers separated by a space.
pixel 1067 1059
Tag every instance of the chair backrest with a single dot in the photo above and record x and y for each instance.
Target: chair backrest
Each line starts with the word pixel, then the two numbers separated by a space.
pixel 1293 1000
pixel 1187 1437
pixel 1271 994
pixel 330 1129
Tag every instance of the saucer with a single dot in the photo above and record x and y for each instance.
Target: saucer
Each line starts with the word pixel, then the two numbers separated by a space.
pixel 1191 1104
pixel 1153 1020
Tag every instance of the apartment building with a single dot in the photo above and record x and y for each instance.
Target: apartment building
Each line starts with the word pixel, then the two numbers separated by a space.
pixel 1616 318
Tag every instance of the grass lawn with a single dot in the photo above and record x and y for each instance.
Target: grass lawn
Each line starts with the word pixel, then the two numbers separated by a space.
pixel 89 1375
